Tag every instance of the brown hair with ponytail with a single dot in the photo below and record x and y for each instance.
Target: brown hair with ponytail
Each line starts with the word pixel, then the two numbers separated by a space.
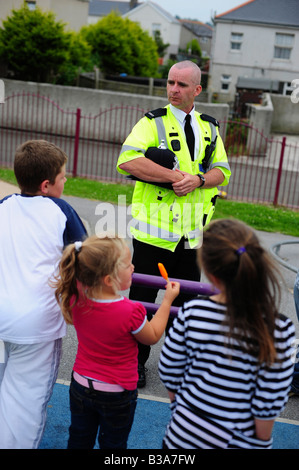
pixel 232 253
pixel 82 268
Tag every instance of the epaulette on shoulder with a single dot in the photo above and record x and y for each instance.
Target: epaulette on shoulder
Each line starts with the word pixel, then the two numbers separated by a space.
pixel 156 113
pixel 206 117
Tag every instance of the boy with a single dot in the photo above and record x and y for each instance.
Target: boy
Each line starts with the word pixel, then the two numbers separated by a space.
pixel 35 227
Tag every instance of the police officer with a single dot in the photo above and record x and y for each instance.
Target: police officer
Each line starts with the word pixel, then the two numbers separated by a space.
pixel 171 205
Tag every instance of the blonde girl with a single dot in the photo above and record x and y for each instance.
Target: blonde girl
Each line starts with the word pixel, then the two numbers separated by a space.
pixel 103 391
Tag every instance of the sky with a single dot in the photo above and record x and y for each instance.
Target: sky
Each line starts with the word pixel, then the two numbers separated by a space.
pixel 201 10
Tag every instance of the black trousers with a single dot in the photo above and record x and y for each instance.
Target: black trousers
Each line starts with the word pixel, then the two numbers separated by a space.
pixel 180 264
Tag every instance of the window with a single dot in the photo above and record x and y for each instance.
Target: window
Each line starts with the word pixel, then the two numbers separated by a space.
pixel 156 27
pixel 203 39
pixel 236 41
pixel 283 46
pixel 31 5
pixel 225 81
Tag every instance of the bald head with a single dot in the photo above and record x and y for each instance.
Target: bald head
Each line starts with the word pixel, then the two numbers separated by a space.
pixel 195 72
pixel 183 85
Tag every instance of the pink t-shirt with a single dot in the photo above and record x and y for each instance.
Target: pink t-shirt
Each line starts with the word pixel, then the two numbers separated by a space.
pixel 107 349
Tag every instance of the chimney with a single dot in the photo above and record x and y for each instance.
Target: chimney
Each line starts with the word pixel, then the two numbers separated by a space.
pixel 133 4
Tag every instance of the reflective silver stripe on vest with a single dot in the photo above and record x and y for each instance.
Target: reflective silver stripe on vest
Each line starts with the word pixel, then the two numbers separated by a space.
pixel 157 232
pixel 126 148
pixel 164 234
pixel 223 164
pixel 213 132
pixel 213 137
pixel 161 130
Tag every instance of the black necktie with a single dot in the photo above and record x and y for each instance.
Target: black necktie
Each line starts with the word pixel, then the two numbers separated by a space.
pixel 189 135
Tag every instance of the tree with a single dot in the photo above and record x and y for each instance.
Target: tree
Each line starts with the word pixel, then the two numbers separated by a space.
pixel 119 45
pixel 35 46
pixel 78 60
pixel 161 46
pixel 193 48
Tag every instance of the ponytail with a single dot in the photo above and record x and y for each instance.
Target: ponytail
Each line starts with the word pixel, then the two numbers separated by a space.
pixel 232 253
pixel 66 285
pixel 82 268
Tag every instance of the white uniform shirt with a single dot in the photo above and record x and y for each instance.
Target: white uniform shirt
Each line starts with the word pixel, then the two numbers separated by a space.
pixel 33 233
pixel 181 115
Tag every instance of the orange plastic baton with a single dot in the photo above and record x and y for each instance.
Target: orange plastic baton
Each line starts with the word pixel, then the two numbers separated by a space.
pixel 163 271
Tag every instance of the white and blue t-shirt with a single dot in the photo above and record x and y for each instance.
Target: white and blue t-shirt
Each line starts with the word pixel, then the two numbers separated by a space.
pixel 33 233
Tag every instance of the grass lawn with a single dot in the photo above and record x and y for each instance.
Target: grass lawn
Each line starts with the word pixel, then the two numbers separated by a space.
pixel 259 216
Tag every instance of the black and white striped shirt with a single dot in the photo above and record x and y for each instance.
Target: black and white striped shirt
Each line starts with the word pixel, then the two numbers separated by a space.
pixel 225 385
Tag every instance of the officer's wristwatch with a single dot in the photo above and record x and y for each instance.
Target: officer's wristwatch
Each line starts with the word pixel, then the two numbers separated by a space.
pixel 202 178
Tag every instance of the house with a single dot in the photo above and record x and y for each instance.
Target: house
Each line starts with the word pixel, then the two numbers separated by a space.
pixel 175 32
pixel 257 41
pixel 152 17
pixel 98 9
pixel 197 30
pixel 251 90
pixel 72 12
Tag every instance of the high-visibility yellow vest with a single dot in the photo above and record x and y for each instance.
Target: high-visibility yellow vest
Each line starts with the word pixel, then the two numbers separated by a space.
pixel 160 217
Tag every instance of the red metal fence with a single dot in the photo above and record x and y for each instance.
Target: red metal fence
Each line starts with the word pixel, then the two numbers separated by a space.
pixel 263 170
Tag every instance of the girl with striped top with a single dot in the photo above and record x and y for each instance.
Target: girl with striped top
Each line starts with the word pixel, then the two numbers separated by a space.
pixel 227 361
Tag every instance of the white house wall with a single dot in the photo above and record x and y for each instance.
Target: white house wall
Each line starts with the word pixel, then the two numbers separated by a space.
pixel 72 12
pixel 148 16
